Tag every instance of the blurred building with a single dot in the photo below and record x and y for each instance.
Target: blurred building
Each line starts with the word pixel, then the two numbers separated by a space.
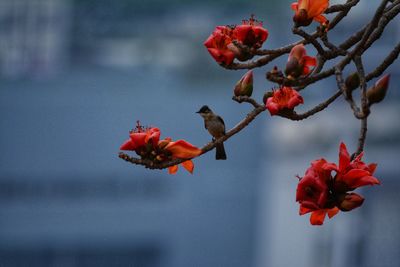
pixel 34 37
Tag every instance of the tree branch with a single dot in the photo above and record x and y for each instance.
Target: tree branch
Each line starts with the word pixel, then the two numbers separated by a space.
pixel 292 115
pixel 238 127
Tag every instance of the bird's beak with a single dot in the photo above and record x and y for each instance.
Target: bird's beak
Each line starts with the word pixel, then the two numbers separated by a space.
pixel 198 111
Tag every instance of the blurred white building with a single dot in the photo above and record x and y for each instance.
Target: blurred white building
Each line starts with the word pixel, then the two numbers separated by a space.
pixel 34 37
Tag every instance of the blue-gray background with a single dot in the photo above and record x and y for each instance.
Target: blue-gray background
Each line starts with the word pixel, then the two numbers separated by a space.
pixel 74 78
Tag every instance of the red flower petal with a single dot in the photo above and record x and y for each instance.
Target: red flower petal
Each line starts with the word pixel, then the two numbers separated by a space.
pixel 173 169
pixel 330 166
pixel 303 210
pixel 332 212
pixel 242 31
pixel 188 165
pixel 317 217
pixel 344 157
pixel 182 149
pixel 356 178
pixel 309 205
pixel 272 107
pixel 128 145
pixel 316 7
pixel 138 139
pixel 154 135
pixel 372 167
pixel 310 61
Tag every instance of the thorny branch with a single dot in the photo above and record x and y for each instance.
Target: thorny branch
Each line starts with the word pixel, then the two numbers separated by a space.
pixel 362 40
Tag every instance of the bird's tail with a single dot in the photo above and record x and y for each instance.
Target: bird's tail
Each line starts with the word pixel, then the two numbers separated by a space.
pixel 220 154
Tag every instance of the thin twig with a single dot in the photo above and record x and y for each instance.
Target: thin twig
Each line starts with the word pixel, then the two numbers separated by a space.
pixel 385 64
pixel 362 137
pixel 292 115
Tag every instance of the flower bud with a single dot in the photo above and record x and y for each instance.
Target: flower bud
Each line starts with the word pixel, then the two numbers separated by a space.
pixel 350 201
pixel 301 18
pixel 352 82
pixel 293 68
pixel 244 87
pixel 266 96
pixel 299 62
pixel 378 92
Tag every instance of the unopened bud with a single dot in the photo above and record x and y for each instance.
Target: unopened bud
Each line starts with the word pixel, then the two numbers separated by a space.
pixel 293 68
pixel 244 87
pixel 276 72
pixel 301 18
pixel 352 82
pixel 378 92
pixel 266 96
pixel 350 201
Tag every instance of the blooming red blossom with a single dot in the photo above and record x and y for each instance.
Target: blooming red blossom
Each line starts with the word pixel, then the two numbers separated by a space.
pixel 251 33
pixel 321 193
pixel 308 10
pixel 217 45
pixel 220 44
pixel 284 98
pixel 147 144
pixel 140 136
pixel 313 193
pixel 299 62
pixel 352 174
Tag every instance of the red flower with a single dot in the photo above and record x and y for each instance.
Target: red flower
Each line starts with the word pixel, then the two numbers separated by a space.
pixel 320 193
pixel 352 174
pixel 299 62
pixel 308 10
pixel 217 45
pixel 222 48
pixel 251 33
pixel 313 193
pixel 147 144
pixel 141 136
pixel 312 190
pixel 284 98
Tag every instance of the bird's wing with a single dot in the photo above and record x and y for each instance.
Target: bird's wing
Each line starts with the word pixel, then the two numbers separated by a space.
pixel 221 120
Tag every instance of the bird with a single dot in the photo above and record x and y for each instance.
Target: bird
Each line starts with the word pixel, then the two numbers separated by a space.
pixel 216 127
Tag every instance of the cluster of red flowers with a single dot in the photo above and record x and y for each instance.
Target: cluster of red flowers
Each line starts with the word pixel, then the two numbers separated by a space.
pixel 220 43
pixel 321 193
pixel 145 141
pixel 326 188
